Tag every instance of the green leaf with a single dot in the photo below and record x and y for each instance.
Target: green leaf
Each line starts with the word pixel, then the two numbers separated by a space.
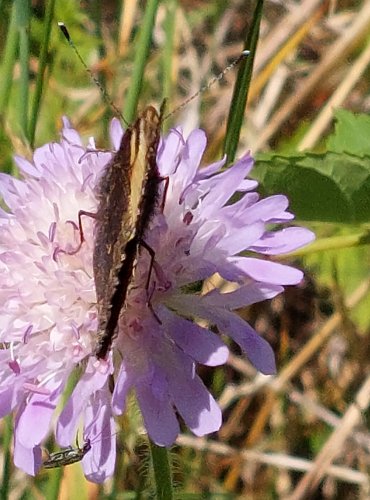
pixel 348 267
pixel 352 133
pixel 328 187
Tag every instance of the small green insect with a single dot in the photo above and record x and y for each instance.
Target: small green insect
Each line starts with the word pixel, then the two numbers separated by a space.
pixel 68 456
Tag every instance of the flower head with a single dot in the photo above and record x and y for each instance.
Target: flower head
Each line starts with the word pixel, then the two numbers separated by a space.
pixel 48 309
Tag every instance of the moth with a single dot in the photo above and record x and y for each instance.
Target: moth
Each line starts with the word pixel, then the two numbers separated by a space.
pixel 128 194
pixel 67 456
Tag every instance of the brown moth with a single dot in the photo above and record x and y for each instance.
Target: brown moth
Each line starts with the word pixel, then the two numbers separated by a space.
pixel 128 194
pixel 67 456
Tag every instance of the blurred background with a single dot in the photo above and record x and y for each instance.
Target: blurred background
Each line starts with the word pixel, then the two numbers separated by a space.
pixel 312 59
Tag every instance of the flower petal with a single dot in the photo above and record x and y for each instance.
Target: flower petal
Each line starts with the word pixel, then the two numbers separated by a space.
pixel 244 296
pixel 266 209
pixel 27 459
pixel 159 416
pixel 237 241
pixel 222 186
pixel 99 462
pixel 283 241
pixel 92 381
pixel 8 400
pixel 122 386
pixel 115 133
pixel 40 409
pixel 199 343
pixel 193 401
pixel 268 272
pixel 255 347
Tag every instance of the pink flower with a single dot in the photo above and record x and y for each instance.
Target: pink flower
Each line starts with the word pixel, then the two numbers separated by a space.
pixel 48 307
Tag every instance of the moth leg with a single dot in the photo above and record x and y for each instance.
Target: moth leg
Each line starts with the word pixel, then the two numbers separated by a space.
pixel 82 237
pixel 111 384
pixel 166 181
pixel 150 306
pixel 143 243
pixel 77 443
pixel 151 252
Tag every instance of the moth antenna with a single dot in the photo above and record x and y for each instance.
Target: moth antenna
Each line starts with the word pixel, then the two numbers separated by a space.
pixel 106 96
pixel 214 80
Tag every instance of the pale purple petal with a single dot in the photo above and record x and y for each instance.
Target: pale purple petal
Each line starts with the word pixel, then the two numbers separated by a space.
pixel 169 154
pixel 238 209
pixel 40 409
pixel 92 381
pixel 266 209
pixel 26 167
pixel 159 416
pixel 247 185
pixel 11 190
pixel 99 462
pixel 255 347
pixel 8 400
pixel 70 134
pixel 283 241
pixel 27 459
pixel 246 236
pixel 244 296
pixel 268 272
pixel 122 386
pixel 201 344
pixel 193 401
pixel 223 185
pixel 211 169
pixel 115 133
pixel 191 156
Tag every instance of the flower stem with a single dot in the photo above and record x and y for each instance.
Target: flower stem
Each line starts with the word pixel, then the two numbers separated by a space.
pixel 54 484
pixel 331 243
pixel 162 472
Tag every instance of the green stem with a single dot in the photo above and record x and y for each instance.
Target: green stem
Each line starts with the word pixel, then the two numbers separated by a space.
pixel 10 54
pixel 6 441
pixel 23 24
pixel 49 15
pixel 141 56
pixel 334 243
pixel 96 14
pixel 53 485
pixel 162 472
pixel 240 96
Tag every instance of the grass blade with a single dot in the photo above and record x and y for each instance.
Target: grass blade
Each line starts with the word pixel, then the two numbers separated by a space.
pixel 49 16
pixel 10 54
pixel 141 56
pixel 23 24
pixel 240 96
